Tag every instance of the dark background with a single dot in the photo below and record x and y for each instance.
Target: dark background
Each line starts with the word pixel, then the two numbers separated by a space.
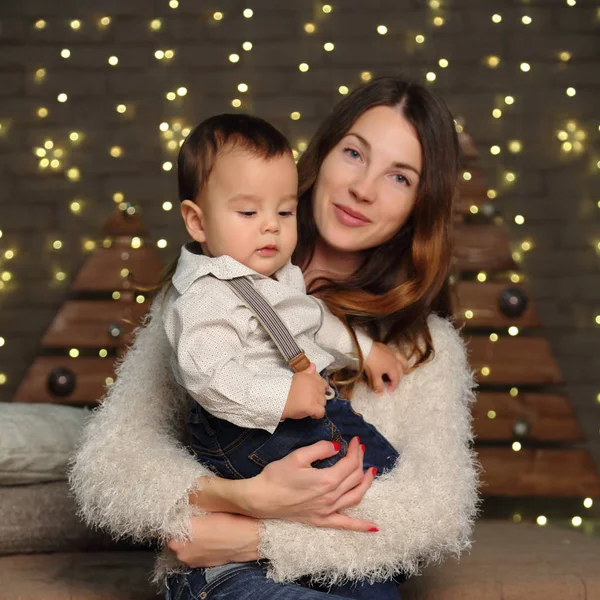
pixel 558 192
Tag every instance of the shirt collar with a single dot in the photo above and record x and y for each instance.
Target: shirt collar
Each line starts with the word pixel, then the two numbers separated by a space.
pixel 193 265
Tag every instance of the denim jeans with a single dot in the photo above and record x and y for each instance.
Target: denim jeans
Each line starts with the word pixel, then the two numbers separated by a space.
pixel 239 453
pixel 248 581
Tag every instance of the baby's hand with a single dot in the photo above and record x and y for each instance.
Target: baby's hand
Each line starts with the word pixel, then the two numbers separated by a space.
pixel 384 361
pixel 307 395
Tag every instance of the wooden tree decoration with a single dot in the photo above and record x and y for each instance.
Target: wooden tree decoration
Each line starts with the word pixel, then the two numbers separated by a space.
pixel 94 325
pixel 525 426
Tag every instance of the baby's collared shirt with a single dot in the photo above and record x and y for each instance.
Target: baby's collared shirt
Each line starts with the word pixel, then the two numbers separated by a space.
pixel 221 353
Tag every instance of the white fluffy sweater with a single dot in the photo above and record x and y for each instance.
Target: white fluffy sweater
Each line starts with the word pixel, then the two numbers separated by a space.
pixel 132 475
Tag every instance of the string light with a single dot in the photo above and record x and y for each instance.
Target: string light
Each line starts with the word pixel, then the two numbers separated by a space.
pixel 571 91
pixel 62 98
pixel 326 8
pixel 236 103
pixel 496 113
pixel 242 87
pixel 295 116
pixel 443 63
pixel 303 67
pixel 75 24
pixel 113 61
pixel 248 12
pixel 492 61
pixel 565 56
pixel 382 29
pixel 155 24
pixel 541 520
pixel 438 21
pixel 234 58
pixel 343 90
pixel 65 53
pixel 218 16
pixel 526 20
pixel 309 28
pixel 328 46
pixel 496 18
pixel 40 24
pixel 509 100
pixel 366 76
pixel 167 206
pixel 247 46
pixel 104 22
pixel 525 67
pixel 42 112
pixel 420 39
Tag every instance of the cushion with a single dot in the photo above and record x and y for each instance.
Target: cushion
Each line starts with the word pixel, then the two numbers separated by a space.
pixel 41 518
pixel 37 440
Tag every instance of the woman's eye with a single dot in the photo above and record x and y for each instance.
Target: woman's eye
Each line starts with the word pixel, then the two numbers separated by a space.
pixel 246 213
pixel 401 179
pixel 352 153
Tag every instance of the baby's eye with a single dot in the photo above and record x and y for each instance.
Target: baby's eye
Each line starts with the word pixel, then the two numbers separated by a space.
pixel 246 213
pixel 286 213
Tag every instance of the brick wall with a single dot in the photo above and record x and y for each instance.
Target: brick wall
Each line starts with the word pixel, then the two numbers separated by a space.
pixel 556 192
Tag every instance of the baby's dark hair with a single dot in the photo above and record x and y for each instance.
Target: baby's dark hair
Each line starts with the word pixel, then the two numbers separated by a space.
pixel 202 146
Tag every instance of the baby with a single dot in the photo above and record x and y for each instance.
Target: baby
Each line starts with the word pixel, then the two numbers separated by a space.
pixel 238 187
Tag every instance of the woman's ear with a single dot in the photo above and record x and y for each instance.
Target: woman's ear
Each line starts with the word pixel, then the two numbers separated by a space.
pixel 193 217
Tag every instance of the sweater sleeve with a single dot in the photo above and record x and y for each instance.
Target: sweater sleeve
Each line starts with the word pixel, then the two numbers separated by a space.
pixel 131 475
pixel 425 507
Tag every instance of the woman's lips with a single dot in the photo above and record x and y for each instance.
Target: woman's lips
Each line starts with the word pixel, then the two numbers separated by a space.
pixel 350 220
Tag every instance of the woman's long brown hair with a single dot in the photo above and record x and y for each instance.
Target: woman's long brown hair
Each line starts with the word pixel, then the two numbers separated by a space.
pixel 399 283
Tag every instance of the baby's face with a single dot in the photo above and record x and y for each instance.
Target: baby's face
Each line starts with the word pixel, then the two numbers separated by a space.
pixel 249 208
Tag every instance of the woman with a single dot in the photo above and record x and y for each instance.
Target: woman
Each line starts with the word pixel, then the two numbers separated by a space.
pixel 376 189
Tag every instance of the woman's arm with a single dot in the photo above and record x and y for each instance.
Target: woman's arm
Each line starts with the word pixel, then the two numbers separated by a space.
pixel 425 507
pixel 132 475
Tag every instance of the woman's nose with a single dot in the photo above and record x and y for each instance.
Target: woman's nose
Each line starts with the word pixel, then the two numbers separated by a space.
pixel 363 189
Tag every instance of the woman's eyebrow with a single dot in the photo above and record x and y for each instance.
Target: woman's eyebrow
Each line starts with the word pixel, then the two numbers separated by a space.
pixel 397 165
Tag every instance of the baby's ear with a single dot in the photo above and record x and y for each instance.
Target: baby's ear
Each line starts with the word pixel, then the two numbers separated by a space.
pixel 193 217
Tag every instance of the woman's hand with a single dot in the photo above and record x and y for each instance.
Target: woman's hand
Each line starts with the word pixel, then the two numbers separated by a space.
pixel 291 489
pixel 218 539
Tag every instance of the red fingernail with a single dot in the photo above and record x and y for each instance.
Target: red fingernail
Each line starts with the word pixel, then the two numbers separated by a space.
pixel 337 446
pixel 364 448
pixel 358 438
pixel 374 471
pixel 373 529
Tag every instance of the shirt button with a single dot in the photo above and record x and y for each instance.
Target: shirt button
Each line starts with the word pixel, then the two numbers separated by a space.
pixel 203 595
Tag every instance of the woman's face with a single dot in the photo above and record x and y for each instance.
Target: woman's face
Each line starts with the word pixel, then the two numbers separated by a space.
pixel 367 185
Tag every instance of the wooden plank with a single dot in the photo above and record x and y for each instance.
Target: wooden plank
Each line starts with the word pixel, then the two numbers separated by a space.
pixel 87 324
pixel 482 248
pixel 103 271
pixel 549 417
pixel 90 373
pixel 482 299
pixel 538 472
pixel 472 192
pixel 519 360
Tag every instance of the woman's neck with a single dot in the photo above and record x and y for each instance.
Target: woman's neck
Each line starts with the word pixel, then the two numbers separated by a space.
pixel 331 263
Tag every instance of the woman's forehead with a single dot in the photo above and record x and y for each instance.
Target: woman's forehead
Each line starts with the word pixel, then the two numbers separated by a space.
pixel 386 132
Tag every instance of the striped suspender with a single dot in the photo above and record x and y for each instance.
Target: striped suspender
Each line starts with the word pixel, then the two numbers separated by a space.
pixel 269 319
